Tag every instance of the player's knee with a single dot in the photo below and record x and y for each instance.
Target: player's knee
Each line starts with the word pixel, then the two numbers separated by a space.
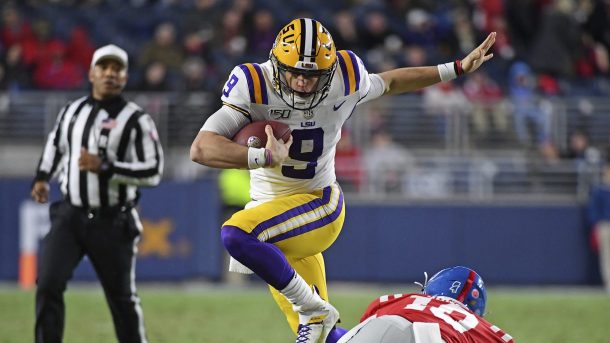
pixel 235 240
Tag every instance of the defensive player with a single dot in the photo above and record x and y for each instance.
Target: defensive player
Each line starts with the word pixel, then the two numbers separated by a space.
pixel 297 207
pixel 449 310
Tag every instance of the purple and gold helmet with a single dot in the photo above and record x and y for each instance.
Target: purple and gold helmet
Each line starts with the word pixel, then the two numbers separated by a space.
pixel 304 46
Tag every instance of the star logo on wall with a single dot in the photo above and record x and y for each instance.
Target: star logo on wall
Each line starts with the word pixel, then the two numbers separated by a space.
pixel 155 238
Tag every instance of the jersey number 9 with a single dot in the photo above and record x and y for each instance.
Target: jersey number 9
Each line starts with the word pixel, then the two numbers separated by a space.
pixel 306 146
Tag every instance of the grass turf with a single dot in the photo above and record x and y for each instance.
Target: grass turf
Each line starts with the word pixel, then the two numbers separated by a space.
pixel 233 315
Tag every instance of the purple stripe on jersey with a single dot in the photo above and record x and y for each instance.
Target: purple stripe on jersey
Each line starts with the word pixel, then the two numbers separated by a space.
pixel 261 79
pixel 356 69
pixel 311 226
pixel 293 212
pixel 344 73
pixel 250 82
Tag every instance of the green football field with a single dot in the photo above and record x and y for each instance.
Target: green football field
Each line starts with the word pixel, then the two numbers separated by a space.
pixel 223 314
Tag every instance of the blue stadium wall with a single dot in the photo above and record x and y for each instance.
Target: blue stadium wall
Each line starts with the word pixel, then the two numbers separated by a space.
pixel 529 245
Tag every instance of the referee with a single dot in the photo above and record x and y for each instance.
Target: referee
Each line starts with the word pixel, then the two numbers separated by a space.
pixel 103 147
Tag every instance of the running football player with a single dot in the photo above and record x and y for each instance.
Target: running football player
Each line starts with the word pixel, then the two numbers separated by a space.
pixel 297 207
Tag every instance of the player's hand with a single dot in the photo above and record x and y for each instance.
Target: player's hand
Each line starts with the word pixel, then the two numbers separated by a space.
pixel 89 162
pixel 479 55
pixel 40 192
pixel 279 149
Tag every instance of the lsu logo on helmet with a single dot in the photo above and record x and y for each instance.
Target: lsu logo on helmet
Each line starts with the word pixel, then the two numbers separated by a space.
pixel 303 47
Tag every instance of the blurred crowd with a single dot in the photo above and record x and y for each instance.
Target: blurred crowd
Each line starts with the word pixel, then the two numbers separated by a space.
pixel 183 45
pixel 545 50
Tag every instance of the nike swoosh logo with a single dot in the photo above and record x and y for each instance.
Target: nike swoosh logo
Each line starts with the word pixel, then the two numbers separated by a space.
pixel 336 107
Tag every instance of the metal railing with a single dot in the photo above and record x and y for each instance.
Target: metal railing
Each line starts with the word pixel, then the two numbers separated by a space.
pixel 474 154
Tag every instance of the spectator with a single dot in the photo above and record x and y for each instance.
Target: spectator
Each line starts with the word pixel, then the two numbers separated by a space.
pixel 598 216
pixel 464 31
pixel 230 42
pixel 14 29
pixel 261 35
pixel 196 76
pixel 556 43
pixel 16 73
pixel 595 21
pixel 525 107
pixel 399 8
pixel 155 78
pixel 79 48
pixel 522 18
pixel 245 8
pixel 421 29
pixel 35 51
pixel 344 31
pixel 586 159
pixel 486 97
pixel 199 27
pixel 162 49
pixel 593 61
pixel 444 101
pixel 374 31
pixel 416 56
pixel 579 148
pixel 56 72
pixel 386 164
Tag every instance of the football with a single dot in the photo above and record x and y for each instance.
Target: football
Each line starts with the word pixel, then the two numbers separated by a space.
pixel 253 135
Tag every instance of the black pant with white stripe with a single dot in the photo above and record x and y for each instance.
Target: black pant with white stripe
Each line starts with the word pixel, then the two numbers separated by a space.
pixel 108 237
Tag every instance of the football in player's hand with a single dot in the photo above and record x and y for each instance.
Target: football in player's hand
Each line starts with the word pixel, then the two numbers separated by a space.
pixel 253 135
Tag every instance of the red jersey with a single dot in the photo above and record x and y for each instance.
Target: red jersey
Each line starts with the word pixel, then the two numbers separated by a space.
pixel 457 323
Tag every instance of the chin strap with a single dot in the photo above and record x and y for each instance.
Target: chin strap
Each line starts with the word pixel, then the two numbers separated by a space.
pixel 423 285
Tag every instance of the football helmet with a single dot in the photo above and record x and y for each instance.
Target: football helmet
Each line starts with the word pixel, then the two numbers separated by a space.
pixel 460 283
pixel 303 47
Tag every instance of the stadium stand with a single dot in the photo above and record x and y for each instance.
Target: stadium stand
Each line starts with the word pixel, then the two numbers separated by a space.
pixel 470 148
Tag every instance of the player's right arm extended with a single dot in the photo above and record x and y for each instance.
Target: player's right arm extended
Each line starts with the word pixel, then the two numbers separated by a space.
pixel 410 79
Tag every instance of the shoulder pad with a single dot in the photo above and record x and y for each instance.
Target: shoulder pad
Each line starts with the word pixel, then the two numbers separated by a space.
pixel 256 83
pixel 350 66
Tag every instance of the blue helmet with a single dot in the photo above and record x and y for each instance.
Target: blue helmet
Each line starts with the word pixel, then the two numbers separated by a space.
pixel 462 284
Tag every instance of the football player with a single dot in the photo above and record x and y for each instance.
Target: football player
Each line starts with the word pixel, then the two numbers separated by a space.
pixel 297 207
pixel 450 309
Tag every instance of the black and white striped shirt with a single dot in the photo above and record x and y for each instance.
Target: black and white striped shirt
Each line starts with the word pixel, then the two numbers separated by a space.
pixel 115 129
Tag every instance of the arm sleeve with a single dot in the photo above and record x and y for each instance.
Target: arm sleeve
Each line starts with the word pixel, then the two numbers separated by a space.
pixel 376 89
pixel 354 72
pixel 225 122
pixel 53 150
pixel 144 165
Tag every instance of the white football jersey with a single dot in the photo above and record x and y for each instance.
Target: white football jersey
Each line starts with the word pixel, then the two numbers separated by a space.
pixel 315 132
